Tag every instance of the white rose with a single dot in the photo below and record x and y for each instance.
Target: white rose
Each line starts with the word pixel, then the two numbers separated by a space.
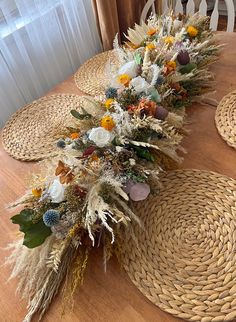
pixel 139 84
pixel 130 68
pixel 100 136
pixel 56 191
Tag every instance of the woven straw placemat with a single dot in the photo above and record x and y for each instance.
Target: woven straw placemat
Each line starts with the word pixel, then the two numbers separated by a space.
pixel 31 132
pixel 92 78
pixel 225 118
pixel 184 259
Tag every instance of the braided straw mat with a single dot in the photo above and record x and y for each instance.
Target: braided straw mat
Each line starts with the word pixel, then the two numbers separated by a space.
pixel 184 259
pixel 225 118
pixel 31 132
pixel 91 77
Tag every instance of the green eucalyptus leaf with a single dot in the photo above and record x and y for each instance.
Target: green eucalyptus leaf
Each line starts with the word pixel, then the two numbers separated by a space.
pixel 154 95
pixel 138 58
pixel 80 116
pixel 35 233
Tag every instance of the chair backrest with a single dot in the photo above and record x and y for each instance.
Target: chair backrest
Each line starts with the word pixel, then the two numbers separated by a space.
pixel 190 9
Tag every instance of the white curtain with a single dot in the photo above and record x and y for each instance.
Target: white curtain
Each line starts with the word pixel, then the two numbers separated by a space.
pixel 42 42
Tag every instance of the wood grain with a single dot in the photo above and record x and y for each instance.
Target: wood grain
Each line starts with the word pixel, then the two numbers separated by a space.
pixel 110 296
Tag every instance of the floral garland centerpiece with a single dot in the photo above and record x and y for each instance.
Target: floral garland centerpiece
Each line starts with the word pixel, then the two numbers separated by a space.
pixel 110 155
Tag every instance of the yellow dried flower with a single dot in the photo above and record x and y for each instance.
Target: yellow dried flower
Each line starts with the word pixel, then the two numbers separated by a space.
pixel 169 40
pixel 37 192
pixel 150 46
pixel 124 79
pixel 192 31
pixel 108 102
pixel 107 123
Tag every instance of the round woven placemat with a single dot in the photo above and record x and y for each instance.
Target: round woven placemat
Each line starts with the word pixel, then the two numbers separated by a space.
pixel 91 78
pixel 31 132
pixel 225 118
pixel 184 258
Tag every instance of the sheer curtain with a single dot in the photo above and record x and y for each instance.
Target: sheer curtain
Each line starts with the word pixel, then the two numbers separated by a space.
pixel 41 43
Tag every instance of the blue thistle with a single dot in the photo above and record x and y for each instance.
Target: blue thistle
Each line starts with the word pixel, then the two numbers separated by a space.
pixel 51 217
pixel 111 92
pixel 160 80
pixel 61 144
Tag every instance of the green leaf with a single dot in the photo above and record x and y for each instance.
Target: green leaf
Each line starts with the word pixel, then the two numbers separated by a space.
pixel 144 153
pixel 23 218
pixel 35 233
pixel 138 58
pixel 154 95
pixel 188 68
pixel 80 116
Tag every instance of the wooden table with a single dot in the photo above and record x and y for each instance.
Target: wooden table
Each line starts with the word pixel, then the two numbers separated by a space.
pixel 111 296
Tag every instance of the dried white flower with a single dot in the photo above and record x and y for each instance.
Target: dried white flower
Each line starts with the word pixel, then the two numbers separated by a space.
pixel 56 191
pixel 100 136
pixel 130 68
pixel 137 34
pixel 132 162
pixel 177 24
pixel 139 84
pixel 119 148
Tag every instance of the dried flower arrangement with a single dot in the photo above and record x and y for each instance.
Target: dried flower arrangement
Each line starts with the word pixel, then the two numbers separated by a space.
pixel 110 156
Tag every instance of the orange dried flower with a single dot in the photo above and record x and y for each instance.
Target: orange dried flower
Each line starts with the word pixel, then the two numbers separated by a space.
pixel 151 32
pixel 107 123
pixel 124 79
pixel 37 192
pixel 170 66
pixel 148 107
pixel 74 135
pixel 145 107
pixel 192 31
pixel 131 45
pixel 150 46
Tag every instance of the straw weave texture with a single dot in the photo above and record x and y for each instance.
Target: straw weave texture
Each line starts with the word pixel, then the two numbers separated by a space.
pixel 31 132
pixel 225 118
pixel 184 259
pixel 92 78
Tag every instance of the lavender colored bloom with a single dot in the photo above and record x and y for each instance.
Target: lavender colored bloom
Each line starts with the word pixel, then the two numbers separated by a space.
pixel 139 191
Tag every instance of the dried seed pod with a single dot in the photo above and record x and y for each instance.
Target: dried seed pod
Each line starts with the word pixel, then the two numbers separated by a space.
pixel 183 57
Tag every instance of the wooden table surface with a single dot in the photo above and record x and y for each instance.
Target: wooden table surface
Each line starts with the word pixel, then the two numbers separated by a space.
pixel 111 296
